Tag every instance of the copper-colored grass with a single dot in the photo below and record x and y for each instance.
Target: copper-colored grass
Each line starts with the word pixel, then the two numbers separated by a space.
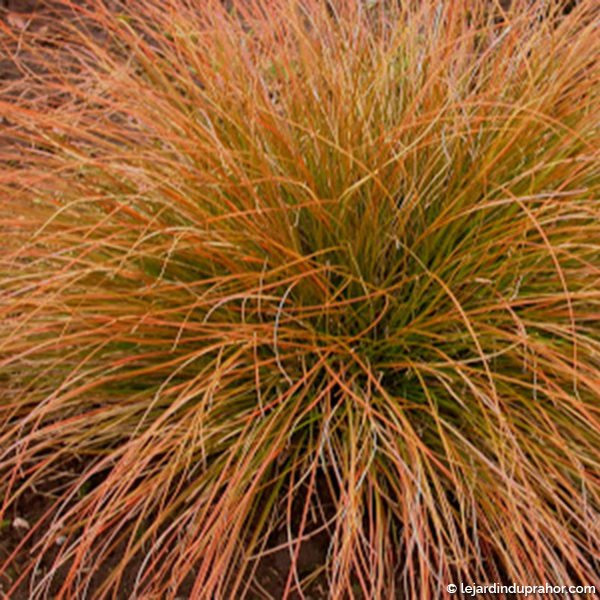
pixel 302 266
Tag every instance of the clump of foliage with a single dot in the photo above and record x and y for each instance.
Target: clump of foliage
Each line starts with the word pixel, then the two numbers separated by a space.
pixel 298 268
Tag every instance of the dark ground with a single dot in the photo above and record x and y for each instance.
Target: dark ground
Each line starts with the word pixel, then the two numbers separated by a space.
pixel 272 571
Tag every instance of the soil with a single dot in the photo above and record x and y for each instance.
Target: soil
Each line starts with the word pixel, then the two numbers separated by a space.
pixel 19 535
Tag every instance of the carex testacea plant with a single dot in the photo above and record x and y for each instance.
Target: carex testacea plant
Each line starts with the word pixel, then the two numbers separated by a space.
pixel 274 271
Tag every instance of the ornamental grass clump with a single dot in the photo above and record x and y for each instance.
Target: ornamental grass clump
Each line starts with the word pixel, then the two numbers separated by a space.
pixel 286 271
